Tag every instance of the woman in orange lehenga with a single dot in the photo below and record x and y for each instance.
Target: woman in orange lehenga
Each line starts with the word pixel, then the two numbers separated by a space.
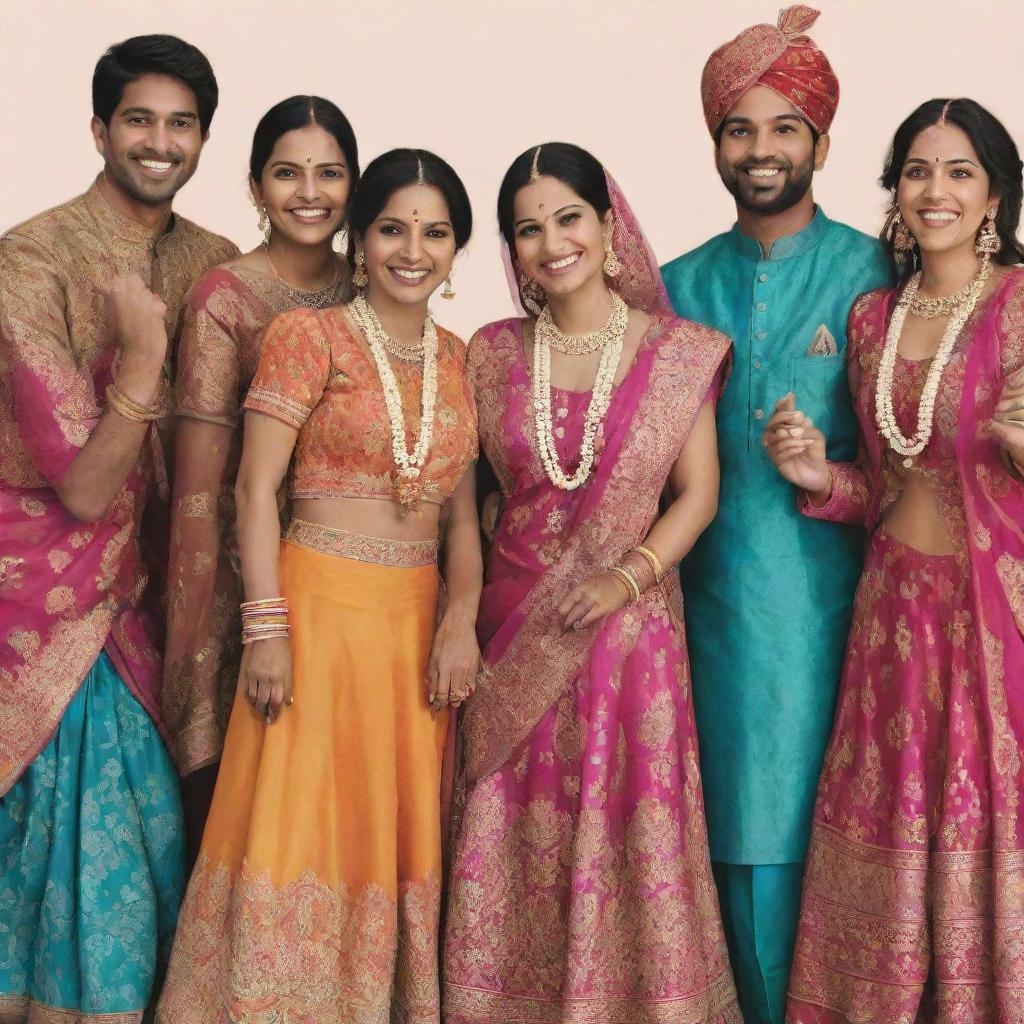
pixel 317 891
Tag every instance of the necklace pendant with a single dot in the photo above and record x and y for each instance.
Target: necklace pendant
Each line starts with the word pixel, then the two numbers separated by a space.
pixel 908 462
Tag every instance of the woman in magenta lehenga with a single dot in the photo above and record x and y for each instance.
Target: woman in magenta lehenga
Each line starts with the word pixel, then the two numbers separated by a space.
pixel 913 905
pixel 580 882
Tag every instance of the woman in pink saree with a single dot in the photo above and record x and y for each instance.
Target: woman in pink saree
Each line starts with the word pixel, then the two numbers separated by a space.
pixel 913 903
pixel 580 886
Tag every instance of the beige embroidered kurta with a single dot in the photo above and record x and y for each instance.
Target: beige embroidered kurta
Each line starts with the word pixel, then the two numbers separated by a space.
pixel 57 353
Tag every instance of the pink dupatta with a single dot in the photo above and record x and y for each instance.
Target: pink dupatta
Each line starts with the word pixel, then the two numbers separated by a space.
pixel 67 588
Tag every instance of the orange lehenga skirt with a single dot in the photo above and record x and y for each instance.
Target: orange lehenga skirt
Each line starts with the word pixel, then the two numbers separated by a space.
pixel 316 896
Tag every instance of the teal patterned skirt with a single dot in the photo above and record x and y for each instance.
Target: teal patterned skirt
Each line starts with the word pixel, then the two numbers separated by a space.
pixel 91 863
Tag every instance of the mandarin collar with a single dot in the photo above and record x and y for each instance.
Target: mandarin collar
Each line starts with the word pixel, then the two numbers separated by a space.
pixel 782 248
pixel 117 225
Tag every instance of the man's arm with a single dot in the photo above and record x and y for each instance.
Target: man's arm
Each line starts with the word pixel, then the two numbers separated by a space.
pixel 84 451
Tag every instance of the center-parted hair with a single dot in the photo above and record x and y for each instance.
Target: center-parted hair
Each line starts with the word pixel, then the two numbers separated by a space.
pixel 125 62
pixel 996 150
pixel 399 168
pixel 300 112
pixel 569 164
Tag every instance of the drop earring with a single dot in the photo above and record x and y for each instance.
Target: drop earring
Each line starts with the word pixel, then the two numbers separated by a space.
pixel 612 265
pixel 448 292
pixel 360 279
pixel 989 243
pixel 903 241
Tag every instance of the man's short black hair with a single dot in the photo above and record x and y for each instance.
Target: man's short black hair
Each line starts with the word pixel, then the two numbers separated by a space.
pixel 153 55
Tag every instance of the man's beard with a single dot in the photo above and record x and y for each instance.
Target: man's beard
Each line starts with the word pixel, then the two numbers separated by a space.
pixel 746 192
pixel 154 193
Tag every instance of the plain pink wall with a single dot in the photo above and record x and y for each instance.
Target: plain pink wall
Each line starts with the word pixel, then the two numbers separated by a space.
pixel 480 80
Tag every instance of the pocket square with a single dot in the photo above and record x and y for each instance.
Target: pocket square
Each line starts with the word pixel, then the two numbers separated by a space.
pixel 824 344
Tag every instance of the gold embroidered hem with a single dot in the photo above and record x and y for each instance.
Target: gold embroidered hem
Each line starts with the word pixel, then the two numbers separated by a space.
pixel 406 554
pixel 21 1010
pixel 713 1005
pixel 252 952
pixel 905 935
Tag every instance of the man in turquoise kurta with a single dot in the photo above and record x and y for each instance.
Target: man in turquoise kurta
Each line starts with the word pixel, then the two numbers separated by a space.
pixel 768 592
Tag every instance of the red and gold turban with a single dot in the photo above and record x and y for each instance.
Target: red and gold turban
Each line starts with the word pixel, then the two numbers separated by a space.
pixel 783 59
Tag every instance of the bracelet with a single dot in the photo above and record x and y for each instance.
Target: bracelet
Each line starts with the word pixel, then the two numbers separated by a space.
pixel 628 578
pixel 128 408
pixel 264 618
pixel 653 560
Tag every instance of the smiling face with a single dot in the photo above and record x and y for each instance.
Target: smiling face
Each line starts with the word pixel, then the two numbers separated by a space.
pixel 766 154
pixel 409 247
pixel 305 186
pixel 559 236
pixel 152 144
pixel 944 192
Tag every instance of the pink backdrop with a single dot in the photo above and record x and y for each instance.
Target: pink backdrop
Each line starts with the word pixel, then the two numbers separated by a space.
pixel 480 80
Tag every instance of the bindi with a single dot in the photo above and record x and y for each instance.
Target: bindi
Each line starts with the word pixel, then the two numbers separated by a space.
pixel 309 159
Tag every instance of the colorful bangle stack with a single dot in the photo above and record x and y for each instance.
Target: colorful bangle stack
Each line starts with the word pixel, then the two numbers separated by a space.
pixel 129 409
pixel 264 618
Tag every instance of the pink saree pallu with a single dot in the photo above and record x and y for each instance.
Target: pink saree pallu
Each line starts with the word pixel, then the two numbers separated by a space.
pixel 580 887
pixel 913 904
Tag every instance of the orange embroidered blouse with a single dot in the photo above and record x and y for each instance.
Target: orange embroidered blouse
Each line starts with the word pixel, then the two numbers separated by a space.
pixel 316 373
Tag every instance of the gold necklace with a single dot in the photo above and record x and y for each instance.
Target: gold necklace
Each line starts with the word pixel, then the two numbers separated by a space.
pixel 944 305
pixel 310 298
pixel 580 344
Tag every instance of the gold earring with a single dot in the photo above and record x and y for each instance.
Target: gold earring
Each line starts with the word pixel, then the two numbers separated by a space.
pixel 989 243
pixel 360 279
pixel 448 292
pixel 612 265
pixel 264 222
pixel 903 241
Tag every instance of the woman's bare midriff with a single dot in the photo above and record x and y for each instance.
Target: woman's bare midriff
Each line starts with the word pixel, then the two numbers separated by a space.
pixel 372 517
pixel 915 519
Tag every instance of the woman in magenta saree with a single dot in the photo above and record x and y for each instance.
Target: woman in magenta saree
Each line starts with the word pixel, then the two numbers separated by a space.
pixel 580 886
pixel 913 903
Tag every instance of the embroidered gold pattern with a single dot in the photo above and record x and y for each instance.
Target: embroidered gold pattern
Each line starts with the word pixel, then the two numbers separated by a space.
pixel 379 550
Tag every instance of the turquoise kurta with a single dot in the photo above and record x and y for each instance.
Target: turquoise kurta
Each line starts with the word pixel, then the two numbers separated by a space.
pixel 769 592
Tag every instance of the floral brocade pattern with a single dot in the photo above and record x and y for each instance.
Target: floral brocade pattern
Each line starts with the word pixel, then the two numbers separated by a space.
pixel 90 865
pixel 912 908
pixel 217 358
pixel 317 374
pixel 304 952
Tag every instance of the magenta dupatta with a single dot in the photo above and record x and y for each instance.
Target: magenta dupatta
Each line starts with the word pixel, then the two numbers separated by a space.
pixel 67 588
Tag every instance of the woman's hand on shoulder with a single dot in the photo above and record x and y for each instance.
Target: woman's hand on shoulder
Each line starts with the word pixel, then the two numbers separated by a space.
pixel 266 676
pixel 590 601
pixel 454 662
pixel 796 447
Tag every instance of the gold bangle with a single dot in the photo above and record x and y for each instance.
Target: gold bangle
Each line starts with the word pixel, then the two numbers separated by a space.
pixel 652 558
pixel 629 580
pixel 128 408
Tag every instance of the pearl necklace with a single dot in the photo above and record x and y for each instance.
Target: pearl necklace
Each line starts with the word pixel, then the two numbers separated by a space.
pixel 614 333
pixel 884 414
pixel 580 344
pixel 407 487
